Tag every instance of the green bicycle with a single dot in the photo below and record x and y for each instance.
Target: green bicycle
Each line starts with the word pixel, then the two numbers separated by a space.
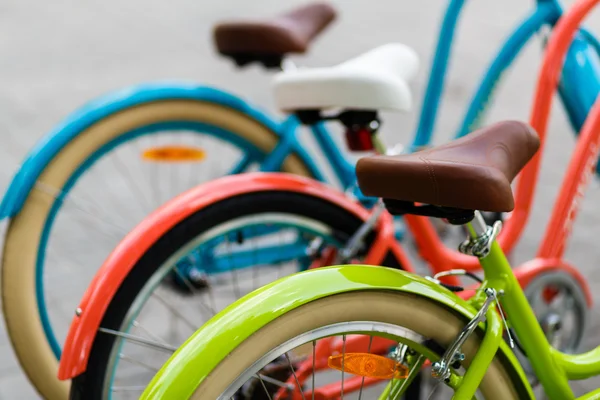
pixel 379 327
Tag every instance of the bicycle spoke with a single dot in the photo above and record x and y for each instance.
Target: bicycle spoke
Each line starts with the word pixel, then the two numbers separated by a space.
pixel 152 336
pixel 264 386
pixel 233 273
pixel 139 363
pixel 255 268
pixel 295 376
pixel 343 361
pixel 174 310
pixel 154 183
pixel 134 188
pixel 194 291
pixel 433 390
pixel 71 199
pixel 140 340
pixel 128 388
pixel 362 382
pixel 314 350
pixel 411 375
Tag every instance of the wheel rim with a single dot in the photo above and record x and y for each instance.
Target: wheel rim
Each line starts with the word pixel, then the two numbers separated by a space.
pixel 306 230
pixel 355 335
pixel 558 294
pixel 197 129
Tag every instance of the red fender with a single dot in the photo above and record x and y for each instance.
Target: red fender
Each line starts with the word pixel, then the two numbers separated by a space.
pixel 526 272
pixel 119 263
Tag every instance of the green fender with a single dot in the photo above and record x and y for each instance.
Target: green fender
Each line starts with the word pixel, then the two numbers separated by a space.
pixel 205 349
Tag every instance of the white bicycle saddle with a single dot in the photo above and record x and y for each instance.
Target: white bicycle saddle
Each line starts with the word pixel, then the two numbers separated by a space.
pixel 375 80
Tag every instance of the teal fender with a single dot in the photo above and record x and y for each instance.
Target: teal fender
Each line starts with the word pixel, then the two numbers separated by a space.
pixel 187 368
pixel 53 142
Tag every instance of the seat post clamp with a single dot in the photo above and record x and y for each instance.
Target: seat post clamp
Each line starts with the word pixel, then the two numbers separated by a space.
pixel 481 245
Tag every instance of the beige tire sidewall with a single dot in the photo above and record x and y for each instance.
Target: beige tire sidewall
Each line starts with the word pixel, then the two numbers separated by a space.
pixel 413 312
pixel 25 229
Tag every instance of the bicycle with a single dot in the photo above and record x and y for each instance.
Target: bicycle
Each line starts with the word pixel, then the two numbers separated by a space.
pixel 381 325
pixel 263 199
pixel 34 203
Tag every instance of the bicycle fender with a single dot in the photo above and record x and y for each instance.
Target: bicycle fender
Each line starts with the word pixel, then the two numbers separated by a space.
pixel 72 126
pixel 198 356
pixel 119 263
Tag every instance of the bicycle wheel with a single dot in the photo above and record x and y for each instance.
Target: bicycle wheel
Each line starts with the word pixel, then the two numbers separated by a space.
pixel 252 239
pixel 294 342
pixel 88 198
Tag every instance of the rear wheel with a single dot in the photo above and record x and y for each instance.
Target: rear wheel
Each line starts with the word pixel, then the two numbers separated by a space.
pixel 401 327
pixel 92 193
pixel 241 243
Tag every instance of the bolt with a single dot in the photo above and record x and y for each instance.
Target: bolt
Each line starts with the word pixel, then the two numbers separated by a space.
pixel 78 311
pixel 438 370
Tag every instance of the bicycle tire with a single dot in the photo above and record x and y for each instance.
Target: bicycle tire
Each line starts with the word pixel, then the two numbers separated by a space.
pixel 414 312
pixel 89 385
pixel 25 230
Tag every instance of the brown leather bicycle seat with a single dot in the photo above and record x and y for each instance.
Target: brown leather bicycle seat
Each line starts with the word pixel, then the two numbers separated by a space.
pixel 471 173
pixel 288 33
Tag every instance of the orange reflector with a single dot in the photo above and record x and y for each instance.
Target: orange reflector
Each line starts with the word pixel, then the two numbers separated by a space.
pixel 368 365
pixel 174 154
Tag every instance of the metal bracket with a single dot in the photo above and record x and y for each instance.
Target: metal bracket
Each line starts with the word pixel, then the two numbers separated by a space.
pixel 457 272
pixel 440 370
pixel 481 245
pixel 357 241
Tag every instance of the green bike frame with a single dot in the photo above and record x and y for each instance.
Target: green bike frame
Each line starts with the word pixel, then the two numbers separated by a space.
pixel 203 351
pixel 553 368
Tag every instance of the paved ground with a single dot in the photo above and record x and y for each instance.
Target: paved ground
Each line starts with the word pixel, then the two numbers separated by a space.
pixel 57 55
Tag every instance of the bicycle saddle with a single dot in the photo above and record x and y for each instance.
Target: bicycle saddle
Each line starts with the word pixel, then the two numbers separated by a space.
pixel 270 39
pixel 470 173
pixel 375 80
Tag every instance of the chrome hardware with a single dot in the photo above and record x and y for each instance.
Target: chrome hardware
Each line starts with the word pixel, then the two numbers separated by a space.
pixel 399 353
pixel 440 370
pixel 314 247
pixel 456 272
pixel 481 245
pixel 356 242
pixel 551 325
pixel 452 272
pixel 78 311
pixel 374 125
pixel 511 342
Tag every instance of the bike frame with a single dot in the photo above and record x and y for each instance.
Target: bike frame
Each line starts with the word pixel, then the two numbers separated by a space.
pixel 578 88
pixel 553 368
